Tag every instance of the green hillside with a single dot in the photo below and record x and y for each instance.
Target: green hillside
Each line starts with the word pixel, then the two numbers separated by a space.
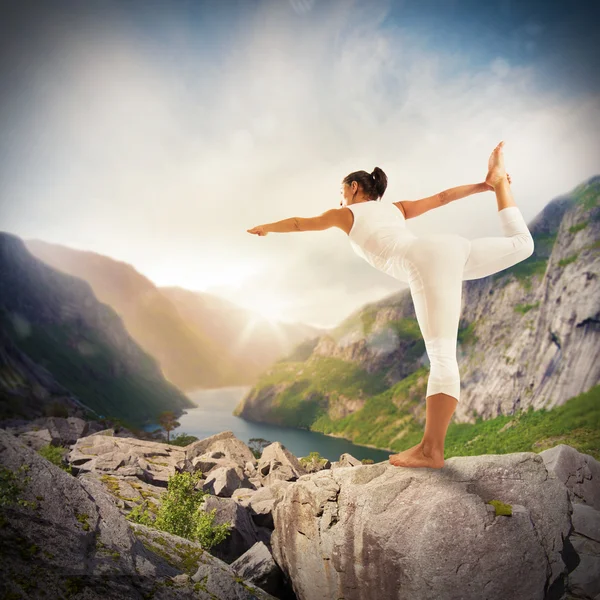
pixel 91 370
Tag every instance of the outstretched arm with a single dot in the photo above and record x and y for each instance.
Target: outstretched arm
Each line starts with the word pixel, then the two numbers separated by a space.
pixel 414 208
pixel 461 191
pixel 330 218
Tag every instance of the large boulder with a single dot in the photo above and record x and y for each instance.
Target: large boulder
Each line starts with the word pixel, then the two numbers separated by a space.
pixel 581 475
pixel 244 532
pixel 221 445
pixel 579 472
pixel 277 462
pixel 223 481
pixel 151 462
pixel 257 565
pixel 380 531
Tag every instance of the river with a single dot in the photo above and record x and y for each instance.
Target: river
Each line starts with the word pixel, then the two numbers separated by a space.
pixel 214 414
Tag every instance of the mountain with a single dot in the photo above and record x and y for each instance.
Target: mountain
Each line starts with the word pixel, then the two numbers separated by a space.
pixel 254 342
pixel 28 390
pixel 59 342
pixel 199 340
pixel 528 337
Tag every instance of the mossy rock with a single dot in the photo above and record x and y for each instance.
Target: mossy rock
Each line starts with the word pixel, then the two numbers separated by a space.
pixel 501 508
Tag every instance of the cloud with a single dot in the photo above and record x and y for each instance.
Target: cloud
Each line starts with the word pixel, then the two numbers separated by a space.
pixel 161 146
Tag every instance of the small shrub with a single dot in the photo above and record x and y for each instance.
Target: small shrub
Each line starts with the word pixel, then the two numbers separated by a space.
pixel 140 514
pixel 55 454
pixel 183 439
pixel 180 513
pixel 523 308
pixel 565 261
pixel 11 485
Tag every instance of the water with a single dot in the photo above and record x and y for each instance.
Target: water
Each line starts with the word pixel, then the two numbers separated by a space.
pixel 214 415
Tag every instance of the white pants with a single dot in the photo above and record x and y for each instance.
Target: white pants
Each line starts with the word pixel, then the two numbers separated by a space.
pixel 436 266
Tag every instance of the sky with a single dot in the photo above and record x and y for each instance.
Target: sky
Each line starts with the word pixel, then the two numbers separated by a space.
pixel 157 133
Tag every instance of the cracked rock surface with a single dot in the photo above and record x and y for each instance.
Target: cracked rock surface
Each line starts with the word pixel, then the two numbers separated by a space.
pixel 379 531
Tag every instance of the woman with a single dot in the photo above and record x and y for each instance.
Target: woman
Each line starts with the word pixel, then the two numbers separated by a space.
pixel 433 265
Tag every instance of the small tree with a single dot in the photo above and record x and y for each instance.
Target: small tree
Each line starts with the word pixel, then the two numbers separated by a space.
pixel 168 422
pixel 180 513
pixel 257 445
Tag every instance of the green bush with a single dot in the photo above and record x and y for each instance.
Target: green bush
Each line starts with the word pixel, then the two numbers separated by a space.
pixel 565 261
pixel 55 454
pixel 180 513
pixel 523 308
pixel 312 458
pixel 12 484
pixel 182 439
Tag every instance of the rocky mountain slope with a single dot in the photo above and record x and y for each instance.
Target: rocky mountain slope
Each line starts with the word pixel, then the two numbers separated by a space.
pixel 519 525
pixel 59 341
pixel 528 337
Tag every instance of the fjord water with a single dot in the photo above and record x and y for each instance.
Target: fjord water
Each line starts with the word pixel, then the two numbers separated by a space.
pixel 214 414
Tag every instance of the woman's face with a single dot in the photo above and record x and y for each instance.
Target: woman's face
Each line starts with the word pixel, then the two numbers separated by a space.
pixel 346 192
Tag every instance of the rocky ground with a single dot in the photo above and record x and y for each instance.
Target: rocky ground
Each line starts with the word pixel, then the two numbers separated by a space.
pixel 520 525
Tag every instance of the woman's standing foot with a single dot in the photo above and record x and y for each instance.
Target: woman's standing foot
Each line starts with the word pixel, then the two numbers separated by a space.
pixel 417 457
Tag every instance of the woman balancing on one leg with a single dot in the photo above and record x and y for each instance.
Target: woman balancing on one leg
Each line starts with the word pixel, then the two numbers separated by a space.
pixel 433 265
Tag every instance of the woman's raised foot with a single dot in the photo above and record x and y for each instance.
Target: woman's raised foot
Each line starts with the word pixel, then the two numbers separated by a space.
pixel 496 173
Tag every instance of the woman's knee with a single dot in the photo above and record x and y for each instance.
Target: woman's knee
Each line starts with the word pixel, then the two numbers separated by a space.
pixel 442 358
pixel 528 243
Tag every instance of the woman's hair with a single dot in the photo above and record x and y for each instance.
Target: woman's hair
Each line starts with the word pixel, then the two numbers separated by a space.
pixel 373 184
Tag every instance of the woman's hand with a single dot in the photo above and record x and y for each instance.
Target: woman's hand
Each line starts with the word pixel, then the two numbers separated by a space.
pixel 258 230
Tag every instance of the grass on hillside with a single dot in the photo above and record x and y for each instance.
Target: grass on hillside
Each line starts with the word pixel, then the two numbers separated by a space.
pixel 575 423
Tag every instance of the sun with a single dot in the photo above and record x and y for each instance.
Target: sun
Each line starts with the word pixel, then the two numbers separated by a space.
pixel 270 307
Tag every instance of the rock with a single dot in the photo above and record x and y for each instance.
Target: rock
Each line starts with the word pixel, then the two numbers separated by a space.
pixel 347 460
pixel 152 462
pixel 262 502
pixel 578 471
pixel 210 577
pixel 312 466
pixel 221 445
pixel 42 431
pixel 74 540
pixel 243 534
pixel 257 565
pixel 223 481
pixel 36 439
pixel 430 533
pixel 277 462
pixel 586 521
pixel 584 581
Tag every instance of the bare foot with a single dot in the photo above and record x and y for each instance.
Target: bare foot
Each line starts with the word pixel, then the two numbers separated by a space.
pixel 415 457
pixel 496 173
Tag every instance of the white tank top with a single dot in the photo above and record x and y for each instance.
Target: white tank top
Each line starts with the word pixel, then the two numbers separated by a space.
pixel 379 235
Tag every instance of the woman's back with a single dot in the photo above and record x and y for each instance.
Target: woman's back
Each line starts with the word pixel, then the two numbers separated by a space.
pixel 379 235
